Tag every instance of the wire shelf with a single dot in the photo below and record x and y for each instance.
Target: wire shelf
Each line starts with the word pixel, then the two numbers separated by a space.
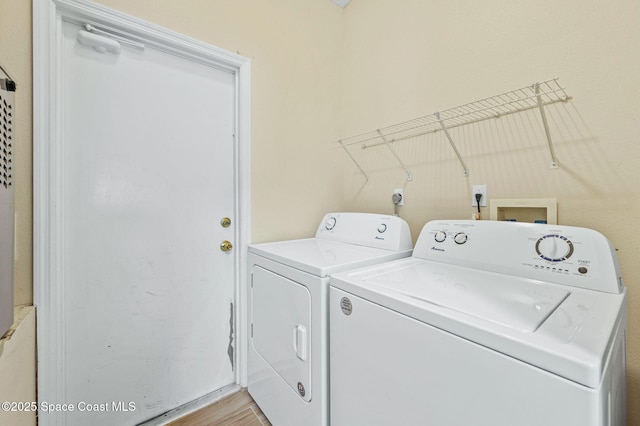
pixel 535 96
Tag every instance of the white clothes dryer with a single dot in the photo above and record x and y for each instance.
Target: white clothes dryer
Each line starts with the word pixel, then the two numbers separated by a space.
pixel 288 305
pixel 487 324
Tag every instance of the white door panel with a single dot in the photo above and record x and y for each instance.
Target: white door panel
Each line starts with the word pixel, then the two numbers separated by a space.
pixel 148 157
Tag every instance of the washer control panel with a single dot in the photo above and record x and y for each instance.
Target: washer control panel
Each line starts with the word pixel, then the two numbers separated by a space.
pixel 366 229
pixel 562 254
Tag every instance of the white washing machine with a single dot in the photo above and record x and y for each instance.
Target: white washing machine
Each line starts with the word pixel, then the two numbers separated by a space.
pixel 488 323
pixel 288 305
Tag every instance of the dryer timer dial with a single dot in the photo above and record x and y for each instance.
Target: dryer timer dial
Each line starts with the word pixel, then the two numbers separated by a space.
pixel 330 223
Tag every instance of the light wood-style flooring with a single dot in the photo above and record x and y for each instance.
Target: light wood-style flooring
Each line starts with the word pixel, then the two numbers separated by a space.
pixel 238 409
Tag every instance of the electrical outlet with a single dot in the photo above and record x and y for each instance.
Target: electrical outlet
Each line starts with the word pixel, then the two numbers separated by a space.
pixel 479 189
pixel 400 192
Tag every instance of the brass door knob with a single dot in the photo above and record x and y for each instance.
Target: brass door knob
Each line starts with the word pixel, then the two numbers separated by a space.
pixel 225 222
pixel 226 245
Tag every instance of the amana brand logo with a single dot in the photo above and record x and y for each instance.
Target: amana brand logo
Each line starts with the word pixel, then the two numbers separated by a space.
pixel 437 249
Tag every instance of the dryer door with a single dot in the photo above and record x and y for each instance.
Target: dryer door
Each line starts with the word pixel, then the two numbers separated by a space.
pixel 281 322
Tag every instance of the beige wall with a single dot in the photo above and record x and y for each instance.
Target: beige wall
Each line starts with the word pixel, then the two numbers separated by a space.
pixel 409 58
pixel 320 73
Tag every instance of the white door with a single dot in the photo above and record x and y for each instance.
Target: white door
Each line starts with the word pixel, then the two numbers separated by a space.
pixel 147 175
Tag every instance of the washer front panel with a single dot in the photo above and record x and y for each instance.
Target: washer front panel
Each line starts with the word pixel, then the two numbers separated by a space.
pixel 389 369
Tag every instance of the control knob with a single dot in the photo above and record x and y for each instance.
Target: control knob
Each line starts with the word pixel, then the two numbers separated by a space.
pixel 440 236
pixel 460 238
pixel 554 248
pixel 382 227
pixel 330 223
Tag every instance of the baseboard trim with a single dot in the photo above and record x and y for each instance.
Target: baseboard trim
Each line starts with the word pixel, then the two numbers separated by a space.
pixel 192 406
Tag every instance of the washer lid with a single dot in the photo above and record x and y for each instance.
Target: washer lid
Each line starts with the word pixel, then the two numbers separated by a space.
pixel 516 303
pixel 564 330
pixel 322 257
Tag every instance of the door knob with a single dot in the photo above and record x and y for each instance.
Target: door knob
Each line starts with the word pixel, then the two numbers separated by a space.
pixel 226 245
pixel 225 222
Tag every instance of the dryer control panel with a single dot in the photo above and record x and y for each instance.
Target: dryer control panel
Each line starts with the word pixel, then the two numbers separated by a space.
pixel 366 229
pixel 568 255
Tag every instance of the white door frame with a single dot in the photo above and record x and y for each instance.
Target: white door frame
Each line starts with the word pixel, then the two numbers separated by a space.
pixel 48 233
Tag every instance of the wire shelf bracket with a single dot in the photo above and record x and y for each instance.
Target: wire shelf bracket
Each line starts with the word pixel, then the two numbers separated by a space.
pixel 533 97
pixel 354 161
pixel 554 159
pixel 453 145
pixel 386 142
